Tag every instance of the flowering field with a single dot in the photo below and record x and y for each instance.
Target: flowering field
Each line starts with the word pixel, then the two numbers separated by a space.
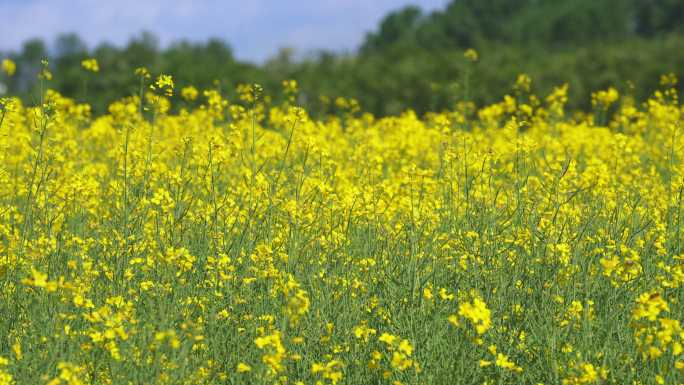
pixel 242 242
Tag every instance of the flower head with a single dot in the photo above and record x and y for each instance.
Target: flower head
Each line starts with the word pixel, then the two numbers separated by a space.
pixel 8 67
pixel 90 65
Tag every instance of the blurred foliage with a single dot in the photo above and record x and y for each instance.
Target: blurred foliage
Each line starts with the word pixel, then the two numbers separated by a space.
pixel 412 60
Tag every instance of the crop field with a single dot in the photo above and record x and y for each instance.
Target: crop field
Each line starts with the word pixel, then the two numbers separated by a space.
pixel 185 238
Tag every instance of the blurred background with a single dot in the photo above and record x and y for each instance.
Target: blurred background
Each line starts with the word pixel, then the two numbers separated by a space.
pixel 390 55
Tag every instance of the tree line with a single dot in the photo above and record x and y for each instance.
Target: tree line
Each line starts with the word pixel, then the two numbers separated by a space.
pixel 412 59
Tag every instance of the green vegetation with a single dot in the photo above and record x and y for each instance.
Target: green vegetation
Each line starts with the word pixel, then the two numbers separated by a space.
pixel 412 59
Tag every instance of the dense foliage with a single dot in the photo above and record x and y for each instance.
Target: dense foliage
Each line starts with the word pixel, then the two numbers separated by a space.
pixel 413 60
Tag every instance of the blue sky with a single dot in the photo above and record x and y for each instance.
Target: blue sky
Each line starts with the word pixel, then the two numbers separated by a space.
pixel 254 28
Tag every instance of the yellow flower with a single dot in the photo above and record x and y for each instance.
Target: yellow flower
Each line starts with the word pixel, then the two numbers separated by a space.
pixel 478 313
pixel 363 332
pixel 90 65
pixel 504 362
pixel 274 351
pixel 8 67
pixel 445 295
pixel 387 338
pixel 189 93
pixel 5 378
pixel 405 347
pixel 16 348
pixel 400 361
pixel 142 72
pixel 329 371
pixel 471 55
pixel 242 368
pixel 609 265
pixel 453 319
pixel 589 373
pixel 679 364
pixel 164 82
pixel 290 86
pixel 427 294
pixel 605 98
pixel 649 306
pixel 40 280
pixel 70 374
pixel 45 71
pixel 523 83
pixel 297 306
pixel 668 80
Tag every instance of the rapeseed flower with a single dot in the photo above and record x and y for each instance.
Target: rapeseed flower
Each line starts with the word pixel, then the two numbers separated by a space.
pixel 90 65
pixel 478 314
pixel 8 67
pixel 471 54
